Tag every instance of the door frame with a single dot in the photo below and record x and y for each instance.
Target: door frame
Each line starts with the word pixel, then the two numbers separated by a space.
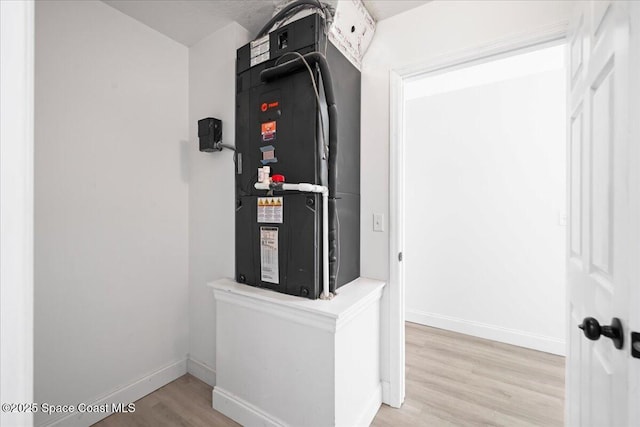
pixel 533 40
pixel 17 36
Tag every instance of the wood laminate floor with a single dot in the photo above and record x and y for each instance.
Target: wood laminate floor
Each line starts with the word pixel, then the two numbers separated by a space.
pixel 452 380
pixel 459 380
pixel 185 402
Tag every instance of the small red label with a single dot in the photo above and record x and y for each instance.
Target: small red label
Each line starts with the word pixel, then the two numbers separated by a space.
pixel 268 128
pixel 268 105
pixel 268 131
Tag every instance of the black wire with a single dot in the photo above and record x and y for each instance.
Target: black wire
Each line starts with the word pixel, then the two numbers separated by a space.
pixel 285 11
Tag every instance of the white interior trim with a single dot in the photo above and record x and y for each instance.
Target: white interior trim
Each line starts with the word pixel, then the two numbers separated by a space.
pixel 242 411
pixel 398 76
pixel 201 371
pixel 529 40
pixel 386 392
pixel 487 331
pixel 127 394
pixel 542 59
pixel 316 313
pixel 307 318
pixel 17 36
pixel 396 243
pixel 372 408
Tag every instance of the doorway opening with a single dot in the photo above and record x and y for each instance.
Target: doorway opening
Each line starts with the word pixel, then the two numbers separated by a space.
pixel 478 202
pixel 485 199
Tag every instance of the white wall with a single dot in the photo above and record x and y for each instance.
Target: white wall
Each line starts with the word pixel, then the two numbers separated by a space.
pixel 212 63
pixel 485 192
pixel 109 185
pixel 409 39
pixel 16 208
pixel 111 196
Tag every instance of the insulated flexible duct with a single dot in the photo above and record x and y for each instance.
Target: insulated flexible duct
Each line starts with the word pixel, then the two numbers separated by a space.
pixel 284 12
pixel 285 69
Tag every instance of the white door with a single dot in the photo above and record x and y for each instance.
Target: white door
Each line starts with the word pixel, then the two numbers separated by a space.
pixel 603 239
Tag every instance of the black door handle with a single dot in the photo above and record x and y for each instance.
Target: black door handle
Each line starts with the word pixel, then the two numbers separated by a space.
pixel 593 330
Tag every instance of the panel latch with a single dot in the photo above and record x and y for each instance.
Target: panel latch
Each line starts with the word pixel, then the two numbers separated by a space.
pixel 635 344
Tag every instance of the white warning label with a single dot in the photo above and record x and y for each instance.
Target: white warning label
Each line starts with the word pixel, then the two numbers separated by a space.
pixel 269 255
pixel 270 209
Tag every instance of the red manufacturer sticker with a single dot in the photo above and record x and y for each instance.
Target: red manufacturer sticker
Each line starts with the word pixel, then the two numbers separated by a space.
pixel 268 105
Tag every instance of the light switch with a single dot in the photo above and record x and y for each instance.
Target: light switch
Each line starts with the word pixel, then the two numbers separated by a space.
pixel 562 219
pixel 378 222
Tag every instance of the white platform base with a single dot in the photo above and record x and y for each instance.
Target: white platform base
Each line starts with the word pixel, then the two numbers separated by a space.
pixel 289 361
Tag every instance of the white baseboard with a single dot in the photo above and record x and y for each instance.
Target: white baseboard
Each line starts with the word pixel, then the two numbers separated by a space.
pixel 201 371
pixel 386 392
pixel 370 411
pixel 126 394
pixel 242 411
pixel 491 332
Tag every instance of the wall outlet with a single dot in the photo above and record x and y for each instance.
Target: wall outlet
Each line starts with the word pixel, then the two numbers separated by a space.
pixel 378 222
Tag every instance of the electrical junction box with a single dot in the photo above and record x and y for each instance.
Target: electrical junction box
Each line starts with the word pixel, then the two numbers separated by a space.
pixel 352 30
pixel 210 134
pixel 281 124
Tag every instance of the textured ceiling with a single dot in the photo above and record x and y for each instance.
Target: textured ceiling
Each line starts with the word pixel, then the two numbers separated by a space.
pixel 188 21
pixel 383 9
